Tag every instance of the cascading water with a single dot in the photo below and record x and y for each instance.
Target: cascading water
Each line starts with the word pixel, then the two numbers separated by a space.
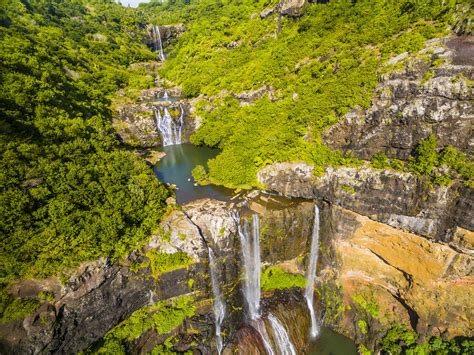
pixel 311 273
pixel 165 95
pixel 281 336
pixel 259 326
pixel 157 44
pixel 218 304
pixel 251 258
pixel 169 129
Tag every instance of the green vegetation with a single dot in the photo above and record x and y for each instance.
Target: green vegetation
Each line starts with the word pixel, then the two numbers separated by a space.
pixel 69 192
pixel 369 306
pixel 315 68
pixel 161 262
pixel 363 350
pixel 163 317
pixel 439 165
pixel 275 278
pixel 199 174
pixel 12 309
pixel 400 340
pixel 362 324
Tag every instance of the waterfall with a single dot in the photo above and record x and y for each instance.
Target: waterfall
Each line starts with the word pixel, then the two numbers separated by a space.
pixel 169 129
pixel 281 337
pixel 165 95
pixel 218 304
pixel 311 274
pixel 259 326
pixel 157 45
pixel 251 259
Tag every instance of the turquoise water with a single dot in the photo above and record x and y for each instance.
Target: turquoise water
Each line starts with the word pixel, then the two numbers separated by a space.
pixel 176 167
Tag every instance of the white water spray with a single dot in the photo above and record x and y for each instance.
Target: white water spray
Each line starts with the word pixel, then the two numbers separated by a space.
pixel 157 44
pixel 259 326
pixel 311 273
pixel 251 259
pixel 165 95
pixel 281 336
pixel 169 129
pixel 218 304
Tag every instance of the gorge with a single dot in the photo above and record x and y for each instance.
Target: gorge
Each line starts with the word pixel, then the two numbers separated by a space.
pixel 280 177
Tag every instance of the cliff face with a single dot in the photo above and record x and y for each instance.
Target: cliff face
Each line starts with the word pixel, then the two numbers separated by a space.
pixel 430 92
pixel 393 250
pixel 398 199
pixel 136 123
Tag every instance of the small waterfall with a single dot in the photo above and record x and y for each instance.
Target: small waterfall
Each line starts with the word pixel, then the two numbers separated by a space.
pixel 165 95
pixel 157 44
pixel 169 129
pixel 311 273
pixel 251 259
pixel 218 304
pixel 281 337
pixel 259 326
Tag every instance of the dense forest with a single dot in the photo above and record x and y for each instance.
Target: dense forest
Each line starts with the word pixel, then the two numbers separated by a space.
pixel 69 191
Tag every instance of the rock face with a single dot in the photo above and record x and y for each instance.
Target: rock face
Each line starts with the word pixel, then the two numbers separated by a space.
pixel 378 269
pixel 389 277
pixel 167 34
pixel 292 8
pixel 423 94
pixel 136 123
pixel 398 199
pixel 96 298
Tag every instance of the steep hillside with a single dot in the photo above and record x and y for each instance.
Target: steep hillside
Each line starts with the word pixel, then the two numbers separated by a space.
pixel 70 193
pixel 311 64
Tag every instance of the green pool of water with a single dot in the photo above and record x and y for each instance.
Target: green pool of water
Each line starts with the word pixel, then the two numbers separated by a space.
pixel 176 167
pixel 331 343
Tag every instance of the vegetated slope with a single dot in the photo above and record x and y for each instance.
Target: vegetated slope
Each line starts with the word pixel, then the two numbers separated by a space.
pixel 317 67
pixel 69 192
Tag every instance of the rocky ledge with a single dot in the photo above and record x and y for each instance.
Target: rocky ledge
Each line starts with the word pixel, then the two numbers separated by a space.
pixel 430 92
pixel 399 199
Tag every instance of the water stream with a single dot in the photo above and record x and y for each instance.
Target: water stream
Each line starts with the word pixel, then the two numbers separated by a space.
pixel 251 259
pixel 281 336
pixel 170 130
pixel 157 44
pixel 218 305
pixel 311 274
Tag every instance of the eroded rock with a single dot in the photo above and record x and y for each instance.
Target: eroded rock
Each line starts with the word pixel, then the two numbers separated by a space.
pixel 427 93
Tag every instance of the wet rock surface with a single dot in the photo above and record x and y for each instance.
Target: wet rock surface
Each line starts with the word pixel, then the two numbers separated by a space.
pixel 136 123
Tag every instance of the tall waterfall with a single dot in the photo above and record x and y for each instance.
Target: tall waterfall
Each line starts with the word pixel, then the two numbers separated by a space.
pixel 169 129
pixel 251 258
pixel 218 304
pixel 157 44
pixel 281 337
pixel 311 273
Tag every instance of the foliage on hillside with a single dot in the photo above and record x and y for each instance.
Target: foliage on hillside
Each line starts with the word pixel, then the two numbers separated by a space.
pixel 317 67
pixel 69 192
pixel 441 165
pixel 162 317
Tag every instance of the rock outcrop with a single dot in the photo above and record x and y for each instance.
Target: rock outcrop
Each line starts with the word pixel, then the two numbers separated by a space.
pixel 398 199
pixel 136 123
pixel 430 92
pixel 389 276
pixel 291 8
